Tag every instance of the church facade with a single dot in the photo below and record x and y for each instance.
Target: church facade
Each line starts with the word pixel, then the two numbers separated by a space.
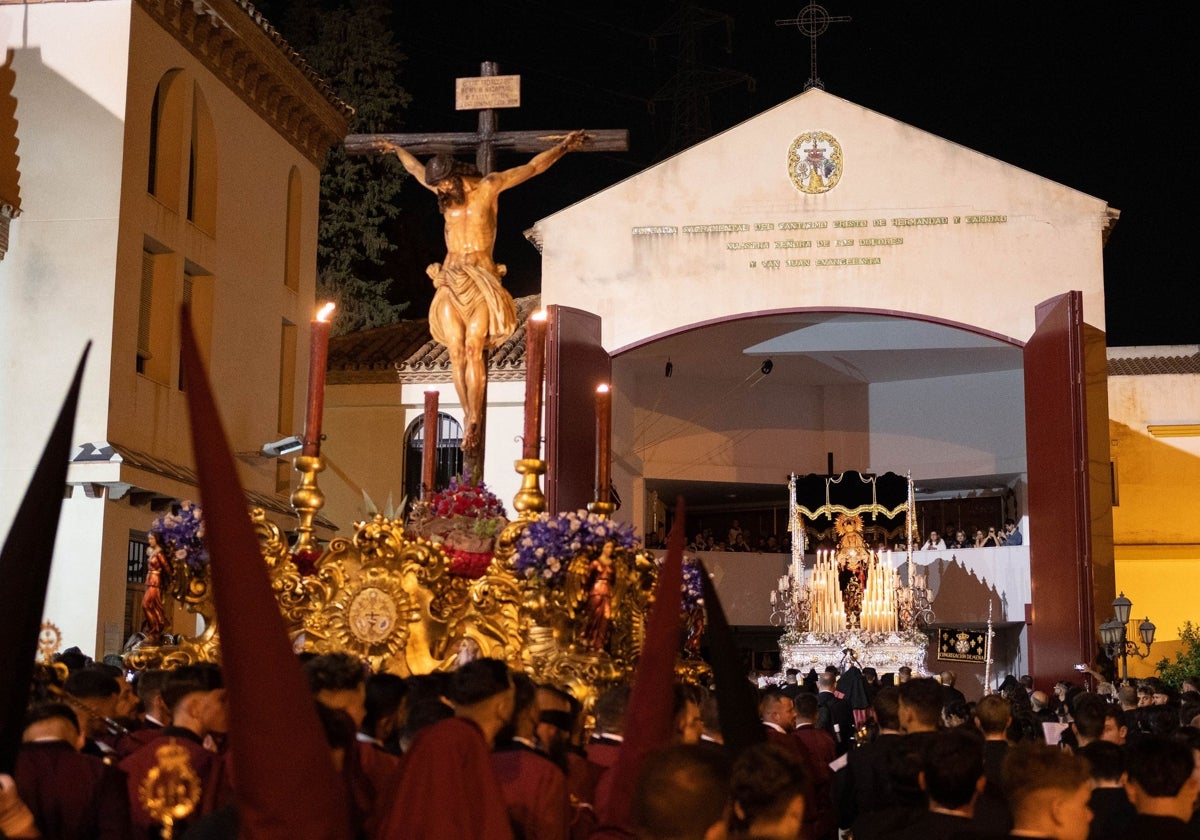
pixel 824 282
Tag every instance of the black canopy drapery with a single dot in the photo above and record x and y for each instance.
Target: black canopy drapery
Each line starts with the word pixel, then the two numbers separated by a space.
pixel 882 501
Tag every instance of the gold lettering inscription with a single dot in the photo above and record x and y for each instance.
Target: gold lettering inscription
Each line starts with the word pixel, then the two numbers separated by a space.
pixel 921 221
pixel 885 240
pixel 655 230
pixel 850 261
pixel 715 228
pixel 987 220
pixel 803 225
pixel 850 223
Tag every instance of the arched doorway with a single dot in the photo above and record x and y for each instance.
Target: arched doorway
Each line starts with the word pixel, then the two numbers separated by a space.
pixel 449 460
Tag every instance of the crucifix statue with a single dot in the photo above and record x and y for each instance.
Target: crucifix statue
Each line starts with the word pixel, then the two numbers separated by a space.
pixel 472 312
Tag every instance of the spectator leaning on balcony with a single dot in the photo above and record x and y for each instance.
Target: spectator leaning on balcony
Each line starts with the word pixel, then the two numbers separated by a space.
pixel 1012 536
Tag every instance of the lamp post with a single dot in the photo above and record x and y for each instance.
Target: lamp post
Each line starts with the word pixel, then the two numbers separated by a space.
pixel 1114 634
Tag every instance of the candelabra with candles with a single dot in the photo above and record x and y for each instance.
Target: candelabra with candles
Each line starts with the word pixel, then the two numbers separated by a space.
pixel 872 600
pixel 851 605
pixel 789 603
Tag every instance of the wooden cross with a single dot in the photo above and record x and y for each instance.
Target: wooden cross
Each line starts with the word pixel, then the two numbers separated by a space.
pixel 813 20
pixel 485 142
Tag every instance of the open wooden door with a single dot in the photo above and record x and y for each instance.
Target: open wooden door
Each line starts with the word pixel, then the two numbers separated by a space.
pixel 1070 549
pixel 575 364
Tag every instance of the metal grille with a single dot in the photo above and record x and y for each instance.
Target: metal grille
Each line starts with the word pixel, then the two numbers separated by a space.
pixel 135 557
pixel 449 460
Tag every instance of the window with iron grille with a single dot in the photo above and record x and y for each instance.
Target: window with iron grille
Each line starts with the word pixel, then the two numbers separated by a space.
pixel 449 460
pixel 136 557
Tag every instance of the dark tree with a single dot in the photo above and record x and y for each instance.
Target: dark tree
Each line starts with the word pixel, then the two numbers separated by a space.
pixel 350 46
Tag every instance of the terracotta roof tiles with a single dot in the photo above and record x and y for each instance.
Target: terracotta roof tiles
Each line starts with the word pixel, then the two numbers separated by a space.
pixel 407 352
pixel 1153 365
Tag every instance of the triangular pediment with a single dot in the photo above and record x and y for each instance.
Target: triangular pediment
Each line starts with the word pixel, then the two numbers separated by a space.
pixel 822 202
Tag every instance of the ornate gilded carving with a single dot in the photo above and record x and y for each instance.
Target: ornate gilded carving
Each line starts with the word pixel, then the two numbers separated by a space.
pixel 170 790
pixel 390 597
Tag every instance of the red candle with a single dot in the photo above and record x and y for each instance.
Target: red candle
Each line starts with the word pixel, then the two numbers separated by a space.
pixel 535 368
pixel 318 355
pixel 603 443
pixel 429 447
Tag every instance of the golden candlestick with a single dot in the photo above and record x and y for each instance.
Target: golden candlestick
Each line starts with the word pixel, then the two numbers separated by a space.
pixel 605 509
pixel 530 501
pixel 307 499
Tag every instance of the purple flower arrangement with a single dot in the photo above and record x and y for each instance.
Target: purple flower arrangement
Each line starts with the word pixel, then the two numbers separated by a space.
pixel 182 532
pixel 551 541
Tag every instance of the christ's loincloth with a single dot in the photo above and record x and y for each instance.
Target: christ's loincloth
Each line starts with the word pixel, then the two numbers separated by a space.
pixel 465 287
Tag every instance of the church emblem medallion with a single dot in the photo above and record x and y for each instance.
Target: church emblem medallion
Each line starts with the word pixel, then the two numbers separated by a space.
pixel 373 615
pixel 815 162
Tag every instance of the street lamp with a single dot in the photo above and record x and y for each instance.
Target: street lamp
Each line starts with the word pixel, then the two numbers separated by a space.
pixel 1115 637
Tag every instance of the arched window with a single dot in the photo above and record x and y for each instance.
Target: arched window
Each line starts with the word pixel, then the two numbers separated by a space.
pixel 449 454
pixel 291 252
pixel 167 125
pixel 202 167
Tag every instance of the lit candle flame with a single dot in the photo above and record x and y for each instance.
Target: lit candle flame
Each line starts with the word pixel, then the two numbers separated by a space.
pixel 326 311
pixel 540 315
pixel 602 389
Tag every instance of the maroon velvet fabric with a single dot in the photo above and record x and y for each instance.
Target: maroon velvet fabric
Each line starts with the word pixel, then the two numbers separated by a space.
pixel 446 789
pixel 72 796
pixel 535 791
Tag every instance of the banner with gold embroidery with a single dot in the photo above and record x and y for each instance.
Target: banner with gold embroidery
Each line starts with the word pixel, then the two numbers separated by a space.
pixel 962 645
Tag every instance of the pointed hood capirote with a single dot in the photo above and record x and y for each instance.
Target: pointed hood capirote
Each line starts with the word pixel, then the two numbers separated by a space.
pixel 737 699
pixel 25 571
pixel 285 783
pixel 648 721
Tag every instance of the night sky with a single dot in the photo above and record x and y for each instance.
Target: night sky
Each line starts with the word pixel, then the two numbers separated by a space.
pixel 1097 96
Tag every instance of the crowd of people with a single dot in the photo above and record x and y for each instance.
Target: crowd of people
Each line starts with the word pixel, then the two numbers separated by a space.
pixel 972 537
pixel 738 538
pixel 486 752
pixel 922 762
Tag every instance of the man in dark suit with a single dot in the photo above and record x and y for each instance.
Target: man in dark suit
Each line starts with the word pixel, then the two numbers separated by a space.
pixel 864 784
pixel 952 777
pixel 1111 809
pixel 950 694
pixel 1163 787
pixel 1048 790
pixel 836 717
pixel 993 716
pixel 919 711
pixel 791 684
